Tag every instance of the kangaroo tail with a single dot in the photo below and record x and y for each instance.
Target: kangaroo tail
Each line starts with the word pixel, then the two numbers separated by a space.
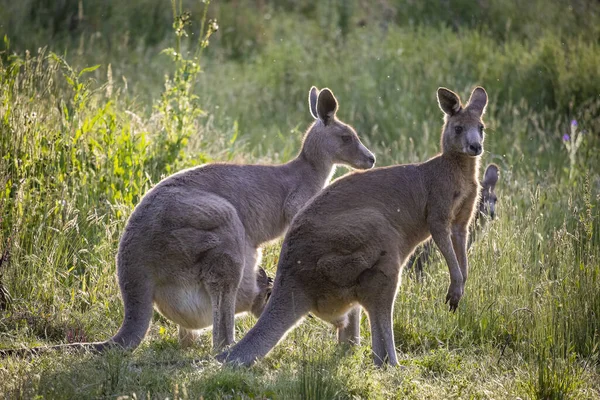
pixel 138 302
pixel 128 337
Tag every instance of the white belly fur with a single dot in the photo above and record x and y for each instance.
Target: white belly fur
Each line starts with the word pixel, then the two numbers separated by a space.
pixel 188 306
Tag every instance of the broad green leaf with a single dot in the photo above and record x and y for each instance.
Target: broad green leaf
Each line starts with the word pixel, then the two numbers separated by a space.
pixel 88 69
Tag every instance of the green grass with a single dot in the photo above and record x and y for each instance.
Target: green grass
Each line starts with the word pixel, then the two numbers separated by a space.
pixel 80 144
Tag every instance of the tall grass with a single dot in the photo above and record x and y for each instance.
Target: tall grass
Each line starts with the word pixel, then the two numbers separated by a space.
pixel 76 158
pixel 85 132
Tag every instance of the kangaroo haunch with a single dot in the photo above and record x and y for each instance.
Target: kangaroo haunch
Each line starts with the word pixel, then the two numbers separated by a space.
pixel 345 249
pixel 191 246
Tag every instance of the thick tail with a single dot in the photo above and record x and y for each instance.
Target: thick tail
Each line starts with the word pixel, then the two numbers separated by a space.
pixel 284 309
pixel 138 302
pixel 128 337
pixel 95 347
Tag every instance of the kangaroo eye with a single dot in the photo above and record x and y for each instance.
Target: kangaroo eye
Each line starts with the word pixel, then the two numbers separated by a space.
pixel 458 129
pixel 346 138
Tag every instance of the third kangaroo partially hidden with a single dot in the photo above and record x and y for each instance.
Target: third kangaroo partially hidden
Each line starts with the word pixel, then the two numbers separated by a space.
pixel 346 248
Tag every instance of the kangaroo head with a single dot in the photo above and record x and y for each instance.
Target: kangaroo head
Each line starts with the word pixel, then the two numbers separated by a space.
pixel 265 286
pixel 329 140
pixel 487 205
pixel 463 129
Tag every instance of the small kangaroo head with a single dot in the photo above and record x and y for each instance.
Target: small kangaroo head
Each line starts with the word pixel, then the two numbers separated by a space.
pixel 487 205
pixel 463 129
pixel 265 286
pixel 329 140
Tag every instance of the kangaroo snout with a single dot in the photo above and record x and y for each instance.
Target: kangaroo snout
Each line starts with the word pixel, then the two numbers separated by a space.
pixel 358 157
pixel 475 149
pixel 370 161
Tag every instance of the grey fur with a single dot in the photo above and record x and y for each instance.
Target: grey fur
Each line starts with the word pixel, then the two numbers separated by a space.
pixel 191 246
pixel 346 248
pixel 487 205
pixel 487 210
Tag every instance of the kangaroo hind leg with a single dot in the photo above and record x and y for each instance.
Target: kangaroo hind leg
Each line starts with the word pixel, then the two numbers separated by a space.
pixel 378 291
pixel 223 303
pixel 284 309
pixel 222 280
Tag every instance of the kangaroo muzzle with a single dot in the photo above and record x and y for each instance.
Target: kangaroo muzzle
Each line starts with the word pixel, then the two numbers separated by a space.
pixel 369 157
pixel 474 146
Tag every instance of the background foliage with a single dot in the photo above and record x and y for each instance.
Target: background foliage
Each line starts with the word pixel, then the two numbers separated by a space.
pixel 100 100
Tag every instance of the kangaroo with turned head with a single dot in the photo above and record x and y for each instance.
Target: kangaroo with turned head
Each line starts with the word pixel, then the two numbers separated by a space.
pixel 346 248
pixel 486 210
pixel 191 246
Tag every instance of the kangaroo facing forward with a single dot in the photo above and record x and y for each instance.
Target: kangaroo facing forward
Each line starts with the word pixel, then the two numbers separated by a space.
pixel 191 246
pixel 345 249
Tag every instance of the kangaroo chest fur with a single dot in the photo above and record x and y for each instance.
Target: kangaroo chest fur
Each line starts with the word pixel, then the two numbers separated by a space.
pixel 464 200
pixel 452 187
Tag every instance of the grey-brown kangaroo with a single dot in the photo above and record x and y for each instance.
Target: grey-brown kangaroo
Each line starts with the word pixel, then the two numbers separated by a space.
pixel 345 249
pixel 191 246
pixel 487 203
pixel 486 210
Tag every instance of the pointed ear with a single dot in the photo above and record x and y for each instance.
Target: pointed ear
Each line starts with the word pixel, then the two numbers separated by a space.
pixel 490 177
pixel 478 100
pixel 263 279
pixel 312 101
pixel 449 101
pixel 327 106
pixel 262 274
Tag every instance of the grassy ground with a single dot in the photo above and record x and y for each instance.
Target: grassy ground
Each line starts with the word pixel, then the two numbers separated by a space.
pixel 80 144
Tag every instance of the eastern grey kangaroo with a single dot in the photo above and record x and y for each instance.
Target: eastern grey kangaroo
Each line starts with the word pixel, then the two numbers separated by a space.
pixel 487 203
pixel 191 246
pixel 346 248
pixel 486 210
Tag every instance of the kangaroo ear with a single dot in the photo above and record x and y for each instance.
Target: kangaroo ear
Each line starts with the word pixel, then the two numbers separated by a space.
pixel 490 177
pixel 312 101
pixel 327 106
pixel 264 281
pixel 262 274
pixel 449 101
pixel 478 100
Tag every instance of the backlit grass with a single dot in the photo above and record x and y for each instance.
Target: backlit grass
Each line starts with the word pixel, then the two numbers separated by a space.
pixel 91 122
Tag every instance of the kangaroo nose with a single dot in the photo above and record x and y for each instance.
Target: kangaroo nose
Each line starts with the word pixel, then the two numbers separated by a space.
pixel 475 148
pixel 372 159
